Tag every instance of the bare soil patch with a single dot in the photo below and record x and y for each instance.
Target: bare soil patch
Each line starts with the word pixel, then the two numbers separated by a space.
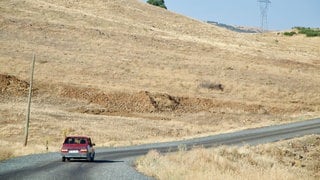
pixel 12 86
pixel 147 102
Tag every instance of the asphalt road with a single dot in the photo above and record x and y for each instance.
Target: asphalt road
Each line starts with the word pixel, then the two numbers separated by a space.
pixel 117 163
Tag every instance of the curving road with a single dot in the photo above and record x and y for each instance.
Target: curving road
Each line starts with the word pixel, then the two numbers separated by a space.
pixel 117 163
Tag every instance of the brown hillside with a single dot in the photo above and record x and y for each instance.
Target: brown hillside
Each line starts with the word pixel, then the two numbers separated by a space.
pixel 117 69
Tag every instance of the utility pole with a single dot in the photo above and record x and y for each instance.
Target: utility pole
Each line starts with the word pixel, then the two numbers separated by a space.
pixel 26 131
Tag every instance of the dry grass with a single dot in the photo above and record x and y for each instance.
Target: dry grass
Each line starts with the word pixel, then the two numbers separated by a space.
pixel 108 70
pixel 6 153
pixel 291 159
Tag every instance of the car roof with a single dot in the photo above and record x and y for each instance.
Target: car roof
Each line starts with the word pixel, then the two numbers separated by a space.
pixel 78 137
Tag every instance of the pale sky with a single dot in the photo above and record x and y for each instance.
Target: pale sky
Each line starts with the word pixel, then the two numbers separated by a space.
pixel 282 14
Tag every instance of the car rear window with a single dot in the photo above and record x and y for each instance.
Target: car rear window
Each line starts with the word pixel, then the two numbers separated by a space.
pixel 75 140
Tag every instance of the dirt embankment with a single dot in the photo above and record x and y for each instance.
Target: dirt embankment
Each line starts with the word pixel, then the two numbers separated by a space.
pixel 12 86
pixel 123 103
pixel 148 102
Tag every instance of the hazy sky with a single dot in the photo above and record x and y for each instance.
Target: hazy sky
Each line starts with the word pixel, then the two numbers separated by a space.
pixel 282 14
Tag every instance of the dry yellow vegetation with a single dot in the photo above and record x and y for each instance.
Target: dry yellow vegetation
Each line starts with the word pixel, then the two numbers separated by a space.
pixel 290 159
pixel 125 72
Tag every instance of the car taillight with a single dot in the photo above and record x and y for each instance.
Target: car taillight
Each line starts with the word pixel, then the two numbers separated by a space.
pixel 64 150
pixel 84 150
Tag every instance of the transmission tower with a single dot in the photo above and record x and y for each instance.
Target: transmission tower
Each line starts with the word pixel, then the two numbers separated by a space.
pixel 264 7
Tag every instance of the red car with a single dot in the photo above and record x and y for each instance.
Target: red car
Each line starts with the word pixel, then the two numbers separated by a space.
pixel 77 147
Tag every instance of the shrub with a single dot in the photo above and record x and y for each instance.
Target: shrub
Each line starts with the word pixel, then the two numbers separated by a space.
pixel 159 3
pixel 289 33
pixel 309 32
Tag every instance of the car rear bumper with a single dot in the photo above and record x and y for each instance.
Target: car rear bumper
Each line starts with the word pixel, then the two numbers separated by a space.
pixel 75 155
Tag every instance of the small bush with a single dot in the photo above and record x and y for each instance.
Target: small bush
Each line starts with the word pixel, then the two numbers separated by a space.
pixel 212 86
pixel 289 33
pixel 312 34
pixel 309 32
pixel 159 3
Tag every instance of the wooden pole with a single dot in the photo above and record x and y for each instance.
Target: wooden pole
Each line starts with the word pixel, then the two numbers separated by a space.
pixel 26 131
